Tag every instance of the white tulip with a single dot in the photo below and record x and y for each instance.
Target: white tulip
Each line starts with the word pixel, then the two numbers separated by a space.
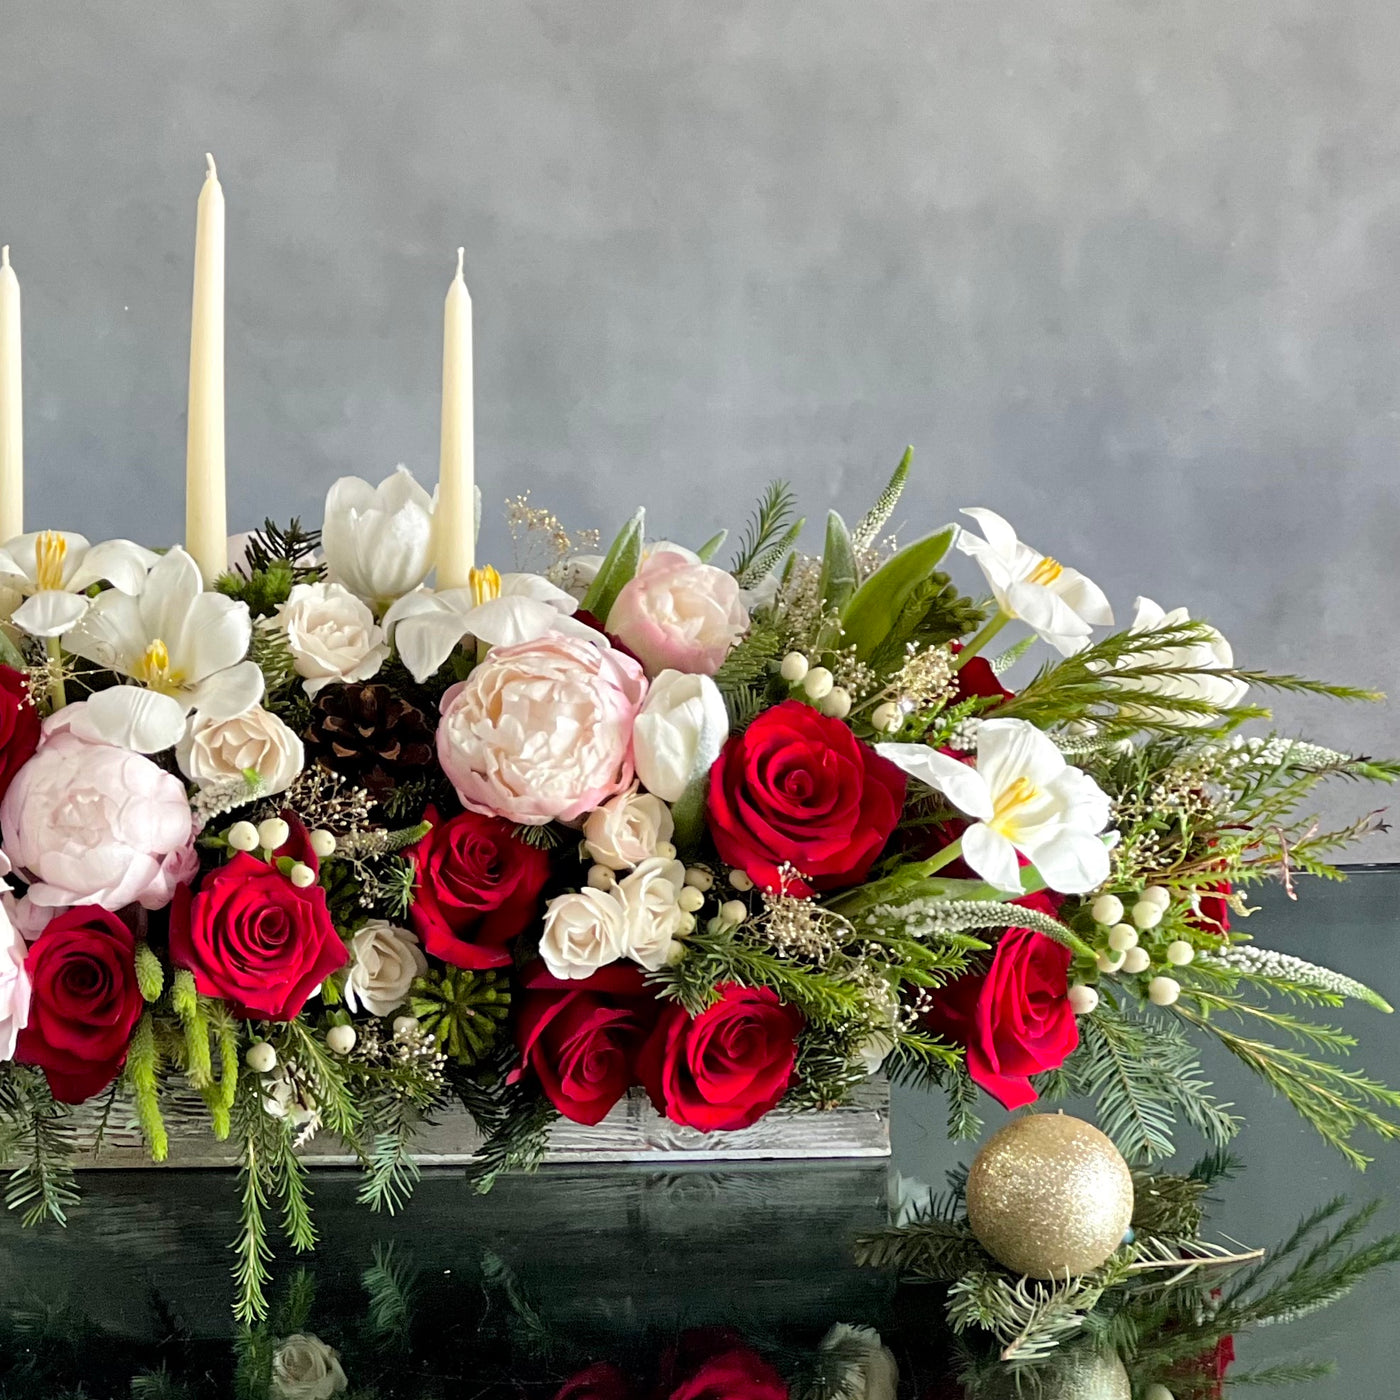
pixel 1024 798
pixel 498 609
pixel 583 931
pixel 1198 658
pixel 332 635
pixel 679 732
pixel 184 647
pixel 218 750
pixel 378 540
pixel 652 912
pixel 1059 603
pixel 628 829
pixel 53 569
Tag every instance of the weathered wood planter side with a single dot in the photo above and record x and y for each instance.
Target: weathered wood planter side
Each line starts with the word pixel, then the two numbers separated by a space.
pixel 632 1132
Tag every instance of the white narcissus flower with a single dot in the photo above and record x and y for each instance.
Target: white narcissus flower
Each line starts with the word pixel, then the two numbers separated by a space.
pixel 217 750
pixel 1024 798
pixel 378 540
pixel 52 570
pixel 583 931
pixel 1060 604
pixel 498 609
pixel 384 960
pixel 305 1368
pixel 332 635
pixel 627 829
pixel 871 1370
pixel 679 733
pixel 652 915
pixel 185 647
pixel 1210 653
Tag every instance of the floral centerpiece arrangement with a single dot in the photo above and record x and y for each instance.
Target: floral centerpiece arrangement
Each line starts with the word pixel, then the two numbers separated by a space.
pixel 331 849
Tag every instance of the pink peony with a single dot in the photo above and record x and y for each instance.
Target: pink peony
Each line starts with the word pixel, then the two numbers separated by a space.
pixel 91 823
pixel 542 730
pixel 14 986
pixel 679 615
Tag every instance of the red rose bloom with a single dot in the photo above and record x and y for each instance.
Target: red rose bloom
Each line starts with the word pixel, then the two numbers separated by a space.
pixel 726 1067
pixel 581 1038
pixel 85 1002
pixel 1214 909
pixel 716 1364
pixel 253 938
pixel 798 788
pixel 477 885
pixel 1015 1019
pixel 976 678
pixel 19 725
pixel 601 1381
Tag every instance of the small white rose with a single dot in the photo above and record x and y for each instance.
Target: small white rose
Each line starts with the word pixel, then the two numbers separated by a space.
pixel 216 750
pixel 679 732
pixel 305 1368
pixel 583 931
pixel 627 829
pixel 871 1372
pixel 653 916
pixel 384 960
pixel 332 635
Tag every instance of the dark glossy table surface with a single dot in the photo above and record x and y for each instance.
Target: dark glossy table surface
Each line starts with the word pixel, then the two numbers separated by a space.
pixel 568 1266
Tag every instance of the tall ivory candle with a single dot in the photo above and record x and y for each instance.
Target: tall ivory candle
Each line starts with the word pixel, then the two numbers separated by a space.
pixel 206 521
pixel 455 517
pixel 11 405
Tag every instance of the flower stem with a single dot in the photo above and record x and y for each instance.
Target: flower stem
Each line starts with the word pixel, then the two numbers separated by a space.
pixel 981 639
pixel 58 695
pixel 936 863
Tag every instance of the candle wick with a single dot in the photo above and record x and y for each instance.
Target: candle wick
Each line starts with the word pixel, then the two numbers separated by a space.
pixel 213 172
pixel 461 254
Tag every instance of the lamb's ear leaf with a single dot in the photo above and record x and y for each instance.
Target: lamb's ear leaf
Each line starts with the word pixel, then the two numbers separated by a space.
pixel 875 608
pixel 619 567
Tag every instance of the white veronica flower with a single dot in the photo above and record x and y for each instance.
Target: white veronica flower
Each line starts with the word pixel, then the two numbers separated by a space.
pixel 1025 799
pixel 184 647
pixel 378 540
pixel 1211 653
pixel 498 609
pixel 1059 603
pixel 52 569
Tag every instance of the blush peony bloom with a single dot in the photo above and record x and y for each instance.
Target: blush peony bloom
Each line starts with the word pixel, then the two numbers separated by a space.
pixel 89 823
pixel 542 731
pixel 679 615
pixel 85 1002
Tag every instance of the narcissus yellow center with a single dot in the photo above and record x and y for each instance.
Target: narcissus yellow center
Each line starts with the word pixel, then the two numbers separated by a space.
pixel 485 584
pixel 1008 803
pixel 1046 572
pixel 155 670
pixel 50 550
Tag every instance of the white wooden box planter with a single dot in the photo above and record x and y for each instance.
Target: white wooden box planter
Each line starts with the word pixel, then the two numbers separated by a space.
pixel 632 1132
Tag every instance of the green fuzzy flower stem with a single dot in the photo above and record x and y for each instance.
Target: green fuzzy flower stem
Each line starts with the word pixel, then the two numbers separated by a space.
pixel 185 999
pixel 150 975
pixel 142 1067
pixel 219 1095
pixel 991 628
pixel 58 694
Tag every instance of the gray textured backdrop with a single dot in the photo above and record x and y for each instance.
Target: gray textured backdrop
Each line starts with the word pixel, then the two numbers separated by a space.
pixel 1125 270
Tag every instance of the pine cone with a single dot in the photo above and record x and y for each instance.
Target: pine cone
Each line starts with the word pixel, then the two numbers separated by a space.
pixel 370 736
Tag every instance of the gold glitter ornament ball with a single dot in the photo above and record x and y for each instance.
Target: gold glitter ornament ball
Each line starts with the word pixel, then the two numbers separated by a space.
pixel 1080 1374
pixel 1049 1196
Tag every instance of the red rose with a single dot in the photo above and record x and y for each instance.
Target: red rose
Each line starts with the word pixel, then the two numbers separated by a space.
pixel 19 725
pixel 1213 909
pixel 601 1381
pixel 800 789
pixel 477 885
pixel 716 1364
pixel 253 938
pixel 85 1002
pixel 726 1067
pixel 581 1038
pixel 1015 1019
pixel 975 678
